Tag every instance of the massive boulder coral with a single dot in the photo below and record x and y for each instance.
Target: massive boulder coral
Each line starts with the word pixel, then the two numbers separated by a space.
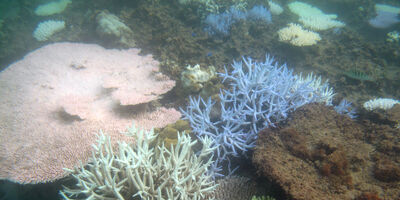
pixel 320 154
pixel 54 101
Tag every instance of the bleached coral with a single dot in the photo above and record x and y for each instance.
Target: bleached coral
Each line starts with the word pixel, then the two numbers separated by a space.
pixel 386 16
pixel 63 93
pixel 298 36
pixel 140 170
pixel 261 94
pixel 313 18
pixel 380 103
pixel 111 25
pixel 321 90
pixel 194 77
pixel 46 29
pixel 275 8
pixel 52 8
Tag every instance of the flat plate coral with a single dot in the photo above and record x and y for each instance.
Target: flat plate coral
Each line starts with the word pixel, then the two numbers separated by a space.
pixel 55 100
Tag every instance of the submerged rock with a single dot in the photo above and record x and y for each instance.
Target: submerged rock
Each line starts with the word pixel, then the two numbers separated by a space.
pixel 320 154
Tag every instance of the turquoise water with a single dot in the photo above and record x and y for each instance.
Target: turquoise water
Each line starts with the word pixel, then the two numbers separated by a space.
pixel 360 60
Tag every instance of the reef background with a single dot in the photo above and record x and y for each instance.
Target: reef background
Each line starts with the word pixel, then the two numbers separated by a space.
pixel 358 61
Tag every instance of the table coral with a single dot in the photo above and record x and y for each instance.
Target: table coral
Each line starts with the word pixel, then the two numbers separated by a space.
pixel 56 99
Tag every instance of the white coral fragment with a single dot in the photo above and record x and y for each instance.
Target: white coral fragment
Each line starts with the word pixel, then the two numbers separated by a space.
pixel 46 29
pixel 52 8
pixel 380 103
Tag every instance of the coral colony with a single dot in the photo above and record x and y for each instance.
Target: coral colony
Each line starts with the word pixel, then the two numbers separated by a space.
pixel 345 108
pixel 141 170
pixel 62 85
pixel 261 94
pixel 219 24
pixel 386 16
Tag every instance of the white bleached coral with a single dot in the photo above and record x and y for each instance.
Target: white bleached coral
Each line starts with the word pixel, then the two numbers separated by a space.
pixel 298 36
pixel 111 26
pixel 52 8
pixel 141 170
pixel 275 8
pixel 380 103
pixel 194 77
pixel 46 29
pixel 313 18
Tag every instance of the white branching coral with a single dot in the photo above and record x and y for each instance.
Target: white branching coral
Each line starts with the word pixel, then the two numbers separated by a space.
pixel 140 170
pixel 297 36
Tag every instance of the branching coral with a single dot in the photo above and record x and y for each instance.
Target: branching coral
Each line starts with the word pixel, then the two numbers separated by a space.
pixel 220 24
pixel 261 95
pixel 140 170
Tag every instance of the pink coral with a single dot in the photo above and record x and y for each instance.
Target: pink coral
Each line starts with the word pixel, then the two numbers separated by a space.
pixel 54 101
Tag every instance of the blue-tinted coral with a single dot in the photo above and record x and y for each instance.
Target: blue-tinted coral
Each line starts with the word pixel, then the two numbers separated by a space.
pixel 345 108
pixel 384 19
pixel 219 24
pixel 260 95
pixel 259 13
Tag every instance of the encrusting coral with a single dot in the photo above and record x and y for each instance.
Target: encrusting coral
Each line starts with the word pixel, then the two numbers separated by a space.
pixel 141 170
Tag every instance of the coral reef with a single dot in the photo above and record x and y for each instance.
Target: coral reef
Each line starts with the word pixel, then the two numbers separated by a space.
pixel 318 153
pixel 261 95
pixel 140 170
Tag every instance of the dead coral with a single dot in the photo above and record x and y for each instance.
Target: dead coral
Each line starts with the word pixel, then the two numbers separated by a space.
pixel 319 154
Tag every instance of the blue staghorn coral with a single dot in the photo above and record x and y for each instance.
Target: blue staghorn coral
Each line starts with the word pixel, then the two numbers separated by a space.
pixel 260 95
pixel 345 108
pixel 219 24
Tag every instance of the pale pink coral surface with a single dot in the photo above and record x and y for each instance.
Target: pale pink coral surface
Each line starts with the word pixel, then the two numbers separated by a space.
pixel 54 101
